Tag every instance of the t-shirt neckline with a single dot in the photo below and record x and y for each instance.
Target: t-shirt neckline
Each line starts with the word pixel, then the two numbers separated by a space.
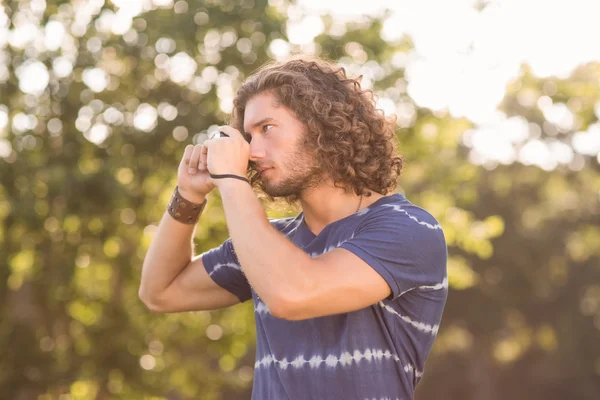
pixel 308 233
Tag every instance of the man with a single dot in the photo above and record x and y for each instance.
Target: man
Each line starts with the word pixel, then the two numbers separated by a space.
pixel 349 294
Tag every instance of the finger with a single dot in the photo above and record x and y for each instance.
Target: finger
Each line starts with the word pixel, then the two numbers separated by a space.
pixel 208 144
pixel 203 159
pixel 187 153
pixel 195 159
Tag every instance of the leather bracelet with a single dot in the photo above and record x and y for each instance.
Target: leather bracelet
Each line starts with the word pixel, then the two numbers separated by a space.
pixel 229 176
pixel 184 210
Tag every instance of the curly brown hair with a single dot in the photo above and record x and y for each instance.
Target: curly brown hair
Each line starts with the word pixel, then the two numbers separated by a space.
pixel 351 139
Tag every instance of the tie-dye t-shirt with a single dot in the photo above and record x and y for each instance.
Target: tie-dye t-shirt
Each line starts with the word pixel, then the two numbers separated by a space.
pixel 377 352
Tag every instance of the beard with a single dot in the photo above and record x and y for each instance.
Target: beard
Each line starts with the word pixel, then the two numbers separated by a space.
pixel 300 172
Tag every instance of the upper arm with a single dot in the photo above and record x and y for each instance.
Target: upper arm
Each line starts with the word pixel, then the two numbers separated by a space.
pixel 391 253
pixel 193 290
pixel 340 282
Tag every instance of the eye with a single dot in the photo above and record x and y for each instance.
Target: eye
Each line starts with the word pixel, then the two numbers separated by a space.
pixel 265 127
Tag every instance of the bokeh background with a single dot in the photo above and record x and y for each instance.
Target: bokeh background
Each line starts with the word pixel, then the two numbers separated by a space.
pixel 498 106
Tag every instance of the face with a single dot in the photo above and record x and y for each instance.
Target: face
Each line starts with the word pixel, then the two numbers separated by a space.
pixel 278 143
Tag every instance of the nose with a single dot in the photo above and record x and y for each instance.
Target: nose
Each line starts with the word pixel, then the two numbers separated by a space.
pixel 257 149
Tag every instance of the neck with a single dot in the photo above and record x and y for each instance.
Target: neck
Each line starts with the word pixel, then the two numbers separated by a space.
pixel 324 205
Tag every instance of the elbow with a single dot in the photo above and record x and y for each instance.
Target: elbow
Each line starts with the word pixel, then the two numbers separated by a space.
pixel 277 310
pixel 295 304
pixel 150 302
pixel 285 308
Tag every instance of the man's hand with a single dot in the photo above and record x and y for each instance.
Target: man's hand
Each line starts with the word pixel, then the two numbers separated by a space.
pixel 227 155
pixel 192 176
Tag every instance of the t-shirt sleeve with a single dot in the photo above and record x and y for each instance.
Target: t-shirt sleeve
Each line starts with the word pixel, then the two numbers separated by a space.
pixel 407 248
pixel 223 266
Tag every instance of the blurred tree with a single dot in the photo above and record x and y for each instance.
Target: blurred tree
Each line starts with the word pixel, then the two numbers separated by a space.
pixel 528 327
pixel 100 99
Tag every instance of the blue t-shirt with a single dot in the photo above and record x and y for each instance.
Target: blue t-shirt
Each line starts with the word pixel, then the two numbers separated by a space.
pixel 377 352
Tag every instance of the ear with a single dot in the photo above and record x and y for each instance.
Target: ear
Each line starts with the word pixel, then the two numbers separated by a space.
pixel 358 79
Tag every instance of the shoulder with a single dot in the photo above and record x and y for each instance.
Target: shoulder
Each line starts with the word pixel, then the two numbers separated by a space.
pixel 399 210
pixel 405 212
pixel 397 219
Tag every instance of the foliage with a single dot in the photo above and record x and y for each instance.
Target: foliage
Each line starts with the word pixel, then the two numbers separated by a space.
pixel 91 165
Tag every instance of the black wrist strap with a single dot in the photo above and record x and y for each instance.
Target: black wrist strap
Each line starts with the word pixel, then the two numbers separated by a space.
pixel 229 176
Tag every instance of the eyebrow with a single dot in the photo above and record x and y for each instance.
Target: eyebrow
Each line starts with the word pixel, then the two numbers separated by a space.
pixel 259 123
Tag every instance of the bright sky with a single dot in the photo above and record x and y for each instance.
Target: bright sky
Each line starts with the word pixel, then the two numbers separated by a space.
pixel 462 62
pixel 458 47
pixel 464 58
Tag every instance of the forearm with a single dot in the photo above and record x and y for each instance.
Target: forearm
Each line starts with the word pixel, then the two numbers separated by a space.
pixel 170 251
pixel 271 262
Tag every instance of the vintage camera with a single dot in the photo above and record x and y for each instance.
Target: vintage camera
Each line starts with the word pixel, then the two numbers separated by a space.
pixel 223 134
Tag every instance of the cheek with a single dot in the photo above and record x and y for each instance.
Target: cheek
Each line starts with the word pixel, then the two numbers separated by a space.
pixel 276 142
